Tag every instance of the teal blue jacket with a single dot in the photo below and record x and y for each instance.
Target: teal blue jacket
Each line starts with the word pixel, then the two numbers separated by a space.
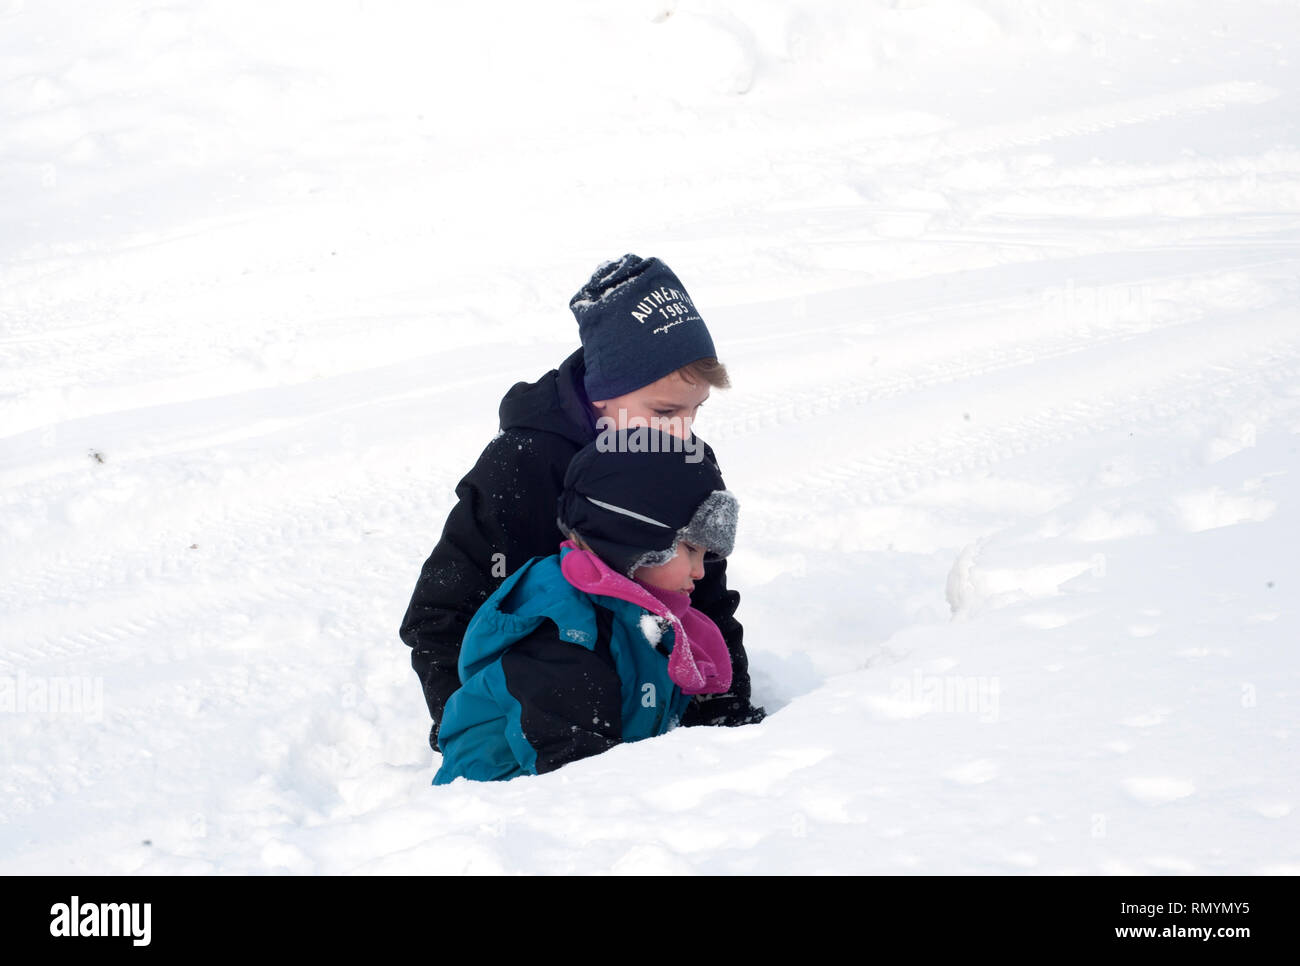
pixel 550 674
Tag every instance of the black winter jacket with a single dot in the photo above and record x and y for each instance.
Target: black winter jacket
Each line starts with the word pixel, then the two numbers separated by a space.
pixel 505 515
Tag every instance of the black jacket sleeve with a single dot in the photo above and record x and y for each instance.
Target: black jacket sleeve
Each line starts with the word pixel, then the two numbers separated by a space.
pixel 712 599
pixel 495 527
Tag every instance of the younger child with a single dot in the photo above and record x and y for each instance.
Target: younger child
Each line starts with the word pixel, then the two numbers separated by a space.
pixel 598 644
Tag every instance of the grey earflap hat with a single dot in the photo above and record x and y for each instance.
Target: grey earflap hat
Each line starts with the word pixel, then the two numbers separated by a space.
pixel 632 507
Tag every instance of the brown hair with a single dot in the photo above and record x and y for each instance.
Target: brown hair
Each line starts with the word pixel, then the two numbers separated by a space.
pixel 708 370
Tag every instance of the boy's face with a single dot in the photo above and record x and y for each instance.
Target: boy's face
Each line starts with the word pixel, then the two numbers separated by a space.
pixel 669 404
pixel 678 574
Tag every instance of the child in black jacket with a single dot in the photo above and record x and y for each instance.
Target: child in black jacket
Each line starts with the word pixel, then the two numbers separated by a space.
pixel 646 357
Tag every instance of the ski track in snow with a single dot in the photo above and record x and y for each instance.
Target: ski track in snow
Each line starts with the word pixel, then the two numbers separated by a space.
pixel 1014 432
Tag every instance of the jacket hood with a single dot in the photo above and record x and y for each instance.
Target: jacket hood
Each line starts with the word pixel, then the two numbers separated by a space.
pixel 555 403
pixel 532 594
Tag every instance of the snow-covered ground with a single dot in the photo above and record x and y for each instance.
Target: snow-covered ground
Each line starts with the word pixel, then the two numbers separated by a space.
pixel 1010 291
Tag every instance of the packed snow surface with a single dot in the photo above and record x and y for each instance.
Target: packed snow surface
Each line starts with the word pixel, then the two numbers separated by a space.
pixel 1010 295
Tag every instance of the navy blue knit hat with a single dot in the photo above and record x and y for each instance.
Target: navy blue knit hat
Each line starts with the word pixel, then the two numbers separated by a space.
pixel 637 324
pixel 633 497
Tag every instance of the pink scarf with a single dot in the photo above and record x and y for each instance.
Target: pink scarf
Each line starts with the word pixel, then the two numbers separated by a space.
pixel 700 662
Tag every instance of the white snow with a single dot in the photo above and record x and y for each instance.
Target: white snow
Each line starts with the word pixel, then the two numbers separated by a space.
pixel 1008 290
pixel 652 628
